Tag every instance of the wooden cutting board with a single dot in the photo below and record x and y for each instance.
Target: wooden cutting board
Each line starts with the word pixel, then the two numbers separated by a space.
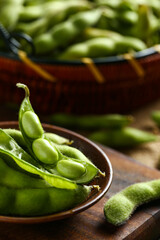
pixel 91 224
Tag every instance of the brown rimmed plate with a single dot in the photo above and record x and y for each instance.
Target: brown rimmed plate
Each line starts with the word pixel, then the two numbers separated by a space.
pixel 93 152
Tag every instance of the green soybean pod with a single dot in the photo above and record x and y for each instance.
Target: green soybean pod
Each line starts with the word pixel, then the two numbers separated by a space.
pixel 123 138
pixel 126 44
pixel 30 13
pixel 71 154
pixel 17 136
pixel 155 115
pixel 9 148
pixel 40 201
pixel 12 178
pixel 74 155
pixel 96 33
pixel 57 138
pixel 109 121
pixel 93 48
pixel 32 130
pixel 64 33
pixel 119 208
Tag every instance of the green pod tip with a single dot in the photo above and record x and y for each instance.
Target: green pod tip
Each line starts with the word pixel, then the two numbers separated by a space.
pixel 27 92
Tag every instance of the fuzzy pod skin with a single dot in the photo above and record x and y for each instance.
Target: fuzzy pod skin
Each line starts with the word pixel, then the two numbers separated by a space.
pixel 38 201
pixel 119 208
pixel 123 138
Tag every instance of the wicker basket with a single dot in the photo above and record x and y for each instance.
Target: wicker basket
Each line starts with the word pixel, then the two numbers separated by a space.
pixel 76 89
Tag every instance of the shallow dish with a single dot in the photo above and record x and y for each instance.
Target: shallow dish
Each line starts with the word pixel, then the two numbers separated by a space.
pixel 93 152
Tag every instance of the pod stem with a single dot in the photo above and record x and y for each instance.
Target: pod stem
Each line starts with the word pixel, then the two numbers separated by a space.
pixel 27 92
pixel 97 187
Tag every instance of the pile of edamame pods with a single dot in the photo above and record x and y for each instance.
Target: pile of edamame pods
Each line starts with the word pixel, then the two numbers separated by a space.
pixel 73 29
pixel 40 172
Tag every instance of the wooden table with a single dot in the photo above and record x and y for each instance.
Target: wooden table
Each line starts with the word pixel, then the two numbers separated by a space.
pixel 91 224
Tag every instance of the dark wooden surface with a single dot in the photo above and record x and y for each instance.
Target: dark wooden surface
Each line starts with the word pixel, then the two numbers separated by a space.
pixel 91 224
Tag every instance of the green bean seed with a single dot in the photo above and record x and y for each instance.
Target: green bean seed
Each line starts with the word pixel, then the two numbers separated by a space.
pixel 70 169
pixel 31 125
pixel 44 151
pixel 119 208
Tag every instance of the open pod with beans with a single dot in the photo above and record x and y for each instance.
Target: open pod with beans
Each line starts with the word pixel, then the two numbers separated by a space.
pixel 40 172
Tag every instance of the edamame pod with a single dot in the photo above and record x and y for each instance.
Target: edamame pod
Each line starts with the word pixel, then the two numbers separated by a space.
pixel 64 33
pixel 10 148
pixel 17 136
pixel 45 150
pixel 68 152
pixel 31 130
pixel 12 178
pixel 122 138
pixel 73 154
pixel 155 115
pixel 109 121
pixel 119 208
pixel 40 201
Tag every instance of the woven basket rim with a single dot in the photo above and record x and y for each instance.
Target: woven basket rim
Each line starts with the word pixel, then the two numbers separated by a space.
pixel 106 60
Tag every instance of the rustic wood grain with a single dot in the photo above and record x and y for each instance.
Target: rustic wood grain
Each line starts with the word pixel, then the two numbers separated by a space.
pixel 91 224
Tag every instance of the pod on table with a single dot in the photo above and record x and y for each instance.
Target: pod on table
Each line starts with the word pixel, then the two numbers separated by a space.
pixel 155 115
pixel 124 137
pixel 87 122
pixel 118 209
pixel 46 152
